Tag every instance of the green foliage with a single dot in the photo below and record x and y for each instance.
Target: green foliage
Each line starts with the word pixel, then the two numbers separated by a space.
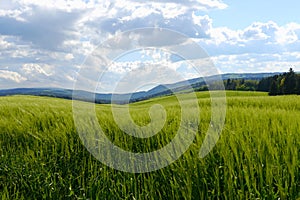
pixel 235 84
pixel 283 84
pixel 257 156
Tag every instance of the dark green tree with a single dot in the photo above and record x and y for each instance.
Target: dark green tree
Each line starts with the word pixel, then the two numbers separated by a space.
pixel 227 83
pixel 273 89
pixel 289 84
pixel 265 84
pixel 286 83
pixel 297 89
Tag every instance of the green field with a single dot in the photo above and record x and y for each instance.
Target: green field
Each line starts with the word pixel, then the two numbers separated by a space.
pixel 257 156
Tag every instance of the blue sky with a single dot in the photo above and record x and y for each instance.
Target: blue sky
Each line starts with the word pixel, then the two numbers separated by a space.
pixel 46 43
pixel 241 14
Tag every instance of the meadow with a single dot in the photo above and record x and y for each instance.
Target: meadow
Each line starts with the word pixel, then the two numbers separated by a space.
pixel 256 157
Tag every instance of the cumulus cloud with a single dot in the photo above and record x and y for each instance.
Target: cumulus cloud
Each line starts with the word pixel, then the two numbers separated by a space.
pixel 260 31
pixel 136 76
pixel 43 43
pixel 11 76
pixel 33 69
pixel 251 62
pixel 259 38
pixel 178 16
pixel 41 27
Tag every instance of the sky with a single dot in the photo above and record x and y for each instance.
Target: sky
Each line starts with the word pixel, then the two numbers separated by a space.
pixel 240 14
pixel 58 43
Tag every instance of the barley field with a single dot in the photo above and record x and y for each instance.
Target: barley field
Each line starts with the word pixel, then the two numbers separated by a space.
pixel 256 157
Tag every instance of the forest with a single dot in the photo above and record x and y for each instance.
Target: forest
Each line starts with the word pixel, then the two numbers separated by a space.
pixel 282 84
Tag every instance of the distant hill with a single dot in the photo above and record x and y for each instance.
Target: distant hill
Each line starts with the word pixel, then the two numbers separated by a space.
pixel 160 90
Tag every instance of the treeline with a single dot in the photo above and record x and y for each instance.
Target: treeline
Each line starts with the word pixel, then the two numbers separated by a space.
pixel 282 84
pixel 241 84
pixel 286 83
pixel 233 84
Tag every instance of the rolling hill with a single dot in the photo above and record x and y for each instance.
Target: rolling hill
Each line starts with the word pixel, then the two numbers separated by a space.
pixel 160 90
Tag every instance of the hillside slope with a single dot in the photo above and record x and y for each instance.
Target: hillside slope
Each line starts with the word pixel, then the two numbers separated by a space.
pixel 160 90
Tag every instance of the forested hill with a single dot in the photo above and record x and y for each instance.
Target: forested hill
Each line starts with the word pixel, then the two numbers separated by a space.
pixel 282 84
pixel 233 81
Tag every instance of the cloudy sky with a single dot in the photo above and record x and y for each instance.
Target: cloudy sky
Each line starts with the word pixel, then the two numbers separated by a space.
pixel 46 43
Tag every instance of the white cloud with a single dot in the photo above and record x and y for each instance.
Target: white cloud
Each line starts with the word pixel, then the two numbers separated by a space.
pixel 41 27
pixel 67 5
pixel 61 56
pixel 258 62
pixel 34 69
pixel 146 74
pixel 260 31
pixel 11 76
pixel 44 42
pixel 288 34
pixel 258 38
pixel 224 34
pixel 4 44
pixel 122 15
pixel 200 5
